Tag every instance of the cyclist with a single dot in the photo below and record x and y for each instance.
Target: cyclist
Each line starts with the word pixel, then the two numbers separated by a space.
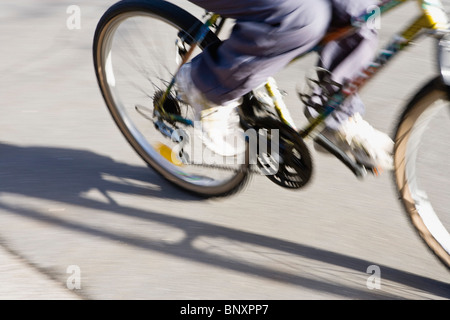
pixel 267 35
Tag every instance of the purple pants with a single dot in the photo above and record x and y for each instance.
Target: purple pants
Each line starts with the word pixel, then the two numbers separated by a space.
pixel 268 34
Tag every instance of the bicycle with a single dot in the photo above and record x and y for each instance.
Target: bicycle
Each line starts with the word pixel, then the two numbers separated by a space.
pixel 140 95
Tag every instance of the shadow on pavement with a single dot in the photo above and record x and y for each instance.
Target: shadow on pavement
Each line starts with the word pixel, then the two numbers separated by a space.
pixel 61 175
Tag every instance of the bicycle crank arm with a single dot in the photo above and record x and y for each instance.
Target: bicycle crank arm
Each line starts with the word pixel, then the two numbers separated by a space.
pixel 358 170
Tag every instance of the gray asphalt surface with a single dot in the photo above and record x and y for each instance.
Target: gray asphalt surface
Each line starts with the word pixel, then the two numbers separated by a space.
pixel 81 217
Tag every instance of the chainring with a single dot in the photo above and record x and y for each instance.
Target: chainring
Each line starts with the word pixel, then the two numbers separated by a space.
pixel 290 163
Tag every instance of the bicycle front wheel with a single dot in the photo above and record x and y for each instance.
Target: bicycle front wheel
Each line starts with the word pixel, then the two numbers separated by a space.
pixel 138 48
pixel 422 166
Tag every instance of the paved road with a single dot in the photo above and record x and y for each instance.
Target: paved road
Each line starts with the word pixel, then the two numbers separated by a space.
pixel 81 217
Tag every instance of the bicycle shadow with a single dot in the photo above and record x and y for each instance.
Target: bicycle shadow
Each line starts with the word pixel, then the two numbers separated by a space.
pixel 62 175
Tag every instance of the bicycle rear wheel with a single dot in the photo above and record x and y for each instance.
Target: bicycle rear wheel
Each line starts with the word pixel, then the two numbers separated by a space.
pixel 138 47
pixel 422 166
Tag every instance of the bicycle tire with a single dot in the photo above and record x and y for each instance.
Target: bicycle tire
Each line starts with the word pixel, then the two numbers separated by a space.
pixel 409 138
pixel 189 25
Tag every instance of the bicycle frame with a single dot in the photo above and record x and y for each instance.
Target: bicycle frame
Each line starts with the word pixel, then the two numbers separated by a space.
pixel 433 18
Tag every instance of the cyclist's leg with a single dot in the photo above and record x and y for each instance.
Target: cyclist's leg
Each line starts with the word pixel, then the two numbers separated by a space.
pixel 268 34
pixel 345 59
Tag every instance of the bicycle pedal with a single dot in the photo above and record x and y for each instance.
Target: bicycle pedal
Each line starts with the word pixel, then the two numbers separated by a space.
pixel 358 169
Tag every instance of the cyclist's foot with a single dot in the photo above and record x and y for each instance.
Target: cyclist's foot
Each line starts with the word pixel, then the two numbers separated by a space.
pixel 370 147
pixel 218 125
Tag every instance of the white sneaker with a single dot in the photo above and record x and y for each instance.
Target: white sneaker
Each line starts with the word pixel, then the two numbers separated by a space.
pixel 219 125
pixel 369 146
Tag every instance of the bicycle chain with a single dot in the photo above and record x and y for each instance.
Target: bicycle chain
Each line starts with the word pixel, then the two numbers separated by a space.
pixel 251 168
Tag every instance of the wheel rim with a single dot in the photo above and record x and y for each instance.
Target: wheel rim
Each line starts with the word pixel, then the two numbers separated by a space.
pixel 423 170
pixel 133 66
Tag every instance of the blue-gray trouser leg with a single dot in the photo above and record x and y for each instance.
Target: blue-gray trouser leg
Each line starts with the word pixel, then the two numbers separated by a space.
pixel 345 59
pixel 267 35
